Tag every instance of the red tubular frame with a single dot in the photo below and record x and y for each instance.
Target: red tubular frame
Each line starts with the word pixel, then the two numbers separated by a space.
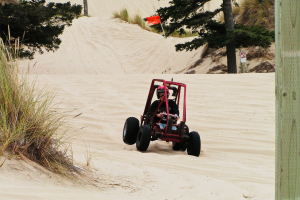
pixel 165 136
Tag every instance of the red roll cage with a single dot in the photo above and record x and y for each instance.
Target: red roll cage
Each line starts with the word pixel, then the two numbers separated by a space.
pixel 177 89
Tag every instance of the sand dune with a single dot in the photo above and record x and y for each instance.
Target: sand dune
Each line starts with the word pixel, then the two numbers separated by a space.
pixel 103 71
pixel 102 45
pixel 105 46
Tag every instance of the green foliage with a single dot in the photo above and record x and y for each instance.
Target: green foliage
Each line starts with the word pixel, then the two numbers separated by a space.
pixel 246 36
pixel 187 14
pixel 38 26
pixel 216 37
pixel 181 33
pixel 190 14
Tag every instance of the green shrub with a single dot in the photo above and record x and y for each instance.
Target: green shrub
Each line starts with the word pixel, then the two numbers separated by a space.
pixel 30 125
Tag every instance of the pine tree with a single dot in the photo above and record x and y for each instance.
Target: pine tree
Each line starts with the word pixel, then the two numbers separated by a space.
pixel 190 14
pixel 36 25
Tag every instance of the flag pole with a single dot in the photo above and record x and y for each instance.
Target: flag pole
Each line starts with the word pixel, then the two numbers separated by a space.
pixel 156 20
pixel 168 47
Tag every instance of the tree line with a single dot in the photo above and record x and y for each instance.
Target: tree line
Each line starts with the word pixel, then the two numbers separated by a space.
pixel 190 14
pixel 35 24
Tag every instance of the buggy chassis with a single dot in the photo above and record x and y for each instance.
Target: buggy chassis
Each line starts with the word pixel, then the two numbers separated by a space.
pixel 149 130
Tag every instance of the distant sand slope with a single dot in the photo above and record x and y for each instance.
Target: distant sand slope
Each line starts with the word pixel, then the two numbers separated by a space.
pixel 94 45
pixel 101 45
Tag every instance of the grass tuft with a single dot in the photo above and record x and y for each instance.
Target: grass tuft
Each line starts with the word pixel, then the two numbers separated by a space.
pixel 30 125
pixel 137 19
pixel 123 15
pixel 116 15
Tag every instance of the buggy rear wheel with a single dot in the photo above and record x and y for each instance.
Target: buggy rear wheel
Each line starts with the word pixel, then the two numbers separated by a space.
pixel 176 146
pixel 130 130
pixel 194 145
pixel 143 138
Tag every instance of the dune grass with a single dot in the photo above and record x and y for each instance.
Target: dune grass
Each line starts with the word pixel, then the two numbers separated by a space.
pixel 258 12
pixel 254 13
pixel 123 15
pixel 137 19
pixel 30 125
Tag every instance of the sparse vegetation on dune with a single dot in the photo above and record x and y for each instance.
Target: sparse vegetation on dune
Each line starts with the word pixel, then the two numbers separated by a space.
pixel 254 13
pixel 257 13
pixel 30 126
pixel 137 19
pixel 123 15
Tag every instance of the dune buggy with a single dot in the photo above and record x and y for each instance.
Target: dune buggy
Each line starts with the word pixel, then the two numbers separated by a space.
pixel 150 130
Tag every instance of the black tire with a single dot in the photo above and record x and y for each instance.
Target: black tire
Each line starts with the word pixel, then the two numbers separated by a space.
pixel 130 130
pixel 194 145
pixel 143 138
pixel 179 146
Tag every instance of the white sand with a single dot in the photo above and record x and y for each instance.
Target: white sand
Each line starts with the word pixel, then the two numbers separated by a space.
pixel 234 115
pixel 104 72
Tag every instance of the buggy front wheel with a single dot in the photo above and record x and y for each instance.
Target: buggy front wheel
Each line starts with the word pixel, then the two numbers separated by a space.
pixel 143 138
pixel 194 145
pixel 130 130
